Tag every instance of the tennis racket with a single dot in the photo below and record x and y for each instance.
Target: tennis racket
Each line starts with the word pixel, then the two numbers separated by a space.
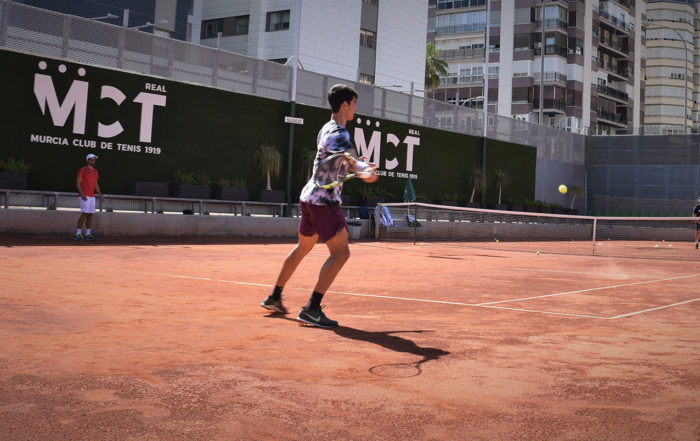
pixel 346 171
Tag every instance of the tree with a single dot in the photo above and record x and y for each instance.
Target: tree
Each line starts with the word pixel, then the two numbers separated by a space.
pixel 434 67
pixel 306 163
pixel 477 181
pixel 575 189
pixel 269 161
pixel 501 179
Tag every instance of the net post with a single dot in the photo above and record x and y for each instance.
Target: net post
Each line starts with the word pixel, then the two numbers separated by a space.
pixel 376 223
pixel 595 228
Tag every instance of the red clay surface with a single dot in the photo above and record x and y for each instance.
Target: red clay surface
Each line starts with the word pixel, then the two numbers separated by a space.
pixel 136 340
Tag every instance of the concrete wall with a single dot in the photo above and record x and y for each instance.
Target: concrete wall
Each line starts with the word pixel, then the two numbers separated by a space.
pixel 51 222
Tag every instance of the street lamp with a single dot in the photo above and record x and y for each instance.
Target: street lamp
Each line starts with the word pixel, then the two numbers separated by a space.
pixel 652 25
pixel 104 17
pixel 148 23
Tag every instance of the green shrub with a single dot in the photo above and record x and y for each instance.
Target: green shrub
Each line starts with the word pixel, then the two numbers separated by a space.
pixel 11 165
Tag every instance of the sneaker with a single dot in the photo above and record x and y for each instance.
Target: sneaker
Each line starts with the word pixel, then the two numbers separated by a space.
pixel 696 246
pixel 78 237
pixel 89 238
pixel 316 317
pixel 274 304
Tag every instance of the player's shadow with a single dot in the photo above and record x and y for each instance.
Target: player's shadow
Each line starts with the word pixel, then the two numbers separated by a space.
pixel 395 343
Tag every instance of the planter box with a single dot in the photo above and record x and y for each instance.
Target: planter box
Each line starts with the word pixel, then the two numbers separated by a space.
pixel 472 204
pixel 13 181
pixel 271 196
pixel 531 209
pixel 517 207
pixel 450 203
pixel 573 211
pixel 559 210
pixel 147 188
pixel 545 210
pixel 189 191
pixel 502 207
pixel 229 193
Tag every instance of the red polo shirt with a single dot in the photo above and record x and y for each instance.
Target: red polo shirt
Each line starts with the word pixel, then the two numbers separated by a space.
pixel 88 178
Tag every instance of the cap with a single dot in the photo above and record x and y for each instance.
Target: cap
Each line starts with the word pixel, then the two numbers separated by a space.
pixel 90 156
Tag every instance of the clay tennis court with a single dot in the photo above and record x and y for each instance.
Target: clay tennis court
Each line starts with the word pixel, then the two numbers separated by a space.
pixel 156 340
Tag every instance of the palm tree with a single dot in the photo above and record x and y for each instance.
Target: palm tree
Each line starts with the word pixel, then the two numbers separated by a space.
pixel 269 161
pixel 575 189
pixel 501 178
pixel 477 181
pixel 306 163
pixel 434 67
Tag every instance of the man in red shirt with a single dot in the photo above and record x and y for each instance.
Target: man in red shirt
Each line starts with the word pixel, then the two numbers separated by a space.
pixel 86 182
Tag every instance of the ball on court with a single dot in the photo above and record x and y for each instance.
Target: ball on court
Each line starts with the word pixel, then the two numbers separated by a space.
pixel 421 244
pixel 496 240
pixel 538 253
pixel 562 189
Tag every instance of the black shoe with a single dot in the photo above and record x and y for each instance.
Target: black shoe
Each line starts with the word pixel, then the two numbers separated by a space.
pixel 274 304
pixel 78 237
pixel 316 317
pixel 89 238
pixel 696 246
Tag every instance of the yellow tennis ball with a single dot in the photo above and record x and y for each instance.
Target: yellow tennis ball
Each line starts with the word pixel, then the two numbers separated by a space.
pixel 421 244
pixel 562 189
pixel 538 253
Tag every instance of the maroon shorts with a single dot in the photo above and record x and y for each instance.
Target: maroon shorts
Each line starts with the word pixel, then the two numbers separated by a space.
pixel 324 220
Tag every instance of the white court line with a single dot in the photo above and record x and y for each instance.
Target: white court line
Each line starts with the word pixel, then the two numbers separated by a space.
pixel 654 309
pixel 480 305
pixel 410 299
pixel 569 272
pixel 587 290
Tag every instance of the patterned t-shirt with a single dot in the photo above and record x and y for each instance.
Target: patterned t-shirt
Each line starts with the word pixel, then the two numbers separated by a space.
pixel 333 138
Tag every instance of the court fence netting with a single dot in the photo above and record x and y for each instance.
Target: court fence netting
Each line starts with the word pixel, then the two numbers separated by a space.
pixel 669 238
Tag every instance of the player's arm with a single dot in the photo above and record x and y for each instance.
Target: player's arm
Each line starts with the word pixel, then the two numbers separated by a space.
pixel 365 170
pixel 97 188
pixel 78 181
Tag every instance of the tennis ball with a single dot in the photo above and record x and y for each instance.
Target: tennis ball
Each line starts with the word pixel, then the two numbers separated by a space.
pixel 496 240
pixel 538 253
pixel 421 244
pixel 562 189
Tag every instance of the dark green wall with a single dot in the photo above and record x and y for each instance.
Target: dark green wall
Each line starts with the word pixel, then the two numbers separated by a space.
pixel 211 131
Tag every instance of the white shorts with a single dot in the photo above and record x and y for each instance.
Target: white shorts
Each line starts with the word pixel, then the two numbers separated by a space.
pixel 87 206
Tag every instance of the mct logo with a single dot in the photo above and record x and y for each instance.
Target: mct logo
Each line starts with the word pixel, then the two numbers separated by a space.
pixel 76 102
pixel 373 149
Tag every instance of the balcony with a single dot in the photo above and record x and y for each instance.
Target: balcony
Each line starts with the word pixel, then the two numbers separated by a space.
pixel 455 4
pixel 460 29
pixel 551 106
pixel 551 77
pixel 624 73
pixel 615 118
pixel 613 93
pixel 455 54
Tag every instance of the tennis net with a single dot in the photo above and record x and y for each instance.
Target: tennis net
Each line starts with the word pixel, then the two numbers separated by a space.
pixel 671 238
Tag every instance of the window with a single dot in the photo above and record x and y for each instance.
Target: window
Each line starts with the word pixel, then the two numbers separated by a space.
pixel 240 25
pixel 524 15
pixel 277 21
pixel 367 38
pixel 366 79
pixel 211 28
pixel 227 26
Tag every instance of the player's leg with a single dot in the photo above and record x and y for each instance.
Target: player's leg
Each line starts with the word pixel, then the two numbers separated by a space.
pixel 273 302
pixel 88 219
pixel 697 235
pixel 340 253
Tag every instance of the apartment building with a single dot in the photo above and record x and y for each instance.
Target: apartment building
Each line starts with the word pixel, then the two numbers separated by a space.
pixel 586 80
pixel 379 42
pixel 671 98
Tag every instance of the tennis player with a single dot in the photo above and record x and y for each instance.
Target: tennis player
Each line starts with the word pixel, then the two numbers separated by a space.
pixel 321 214
pixel 86 181
pixel 696 213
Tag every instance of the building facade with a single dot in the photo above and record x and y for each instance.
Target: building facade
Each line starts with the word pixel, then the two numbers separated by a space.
pixel 592 50
pixel 379 42
pixel 670 36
